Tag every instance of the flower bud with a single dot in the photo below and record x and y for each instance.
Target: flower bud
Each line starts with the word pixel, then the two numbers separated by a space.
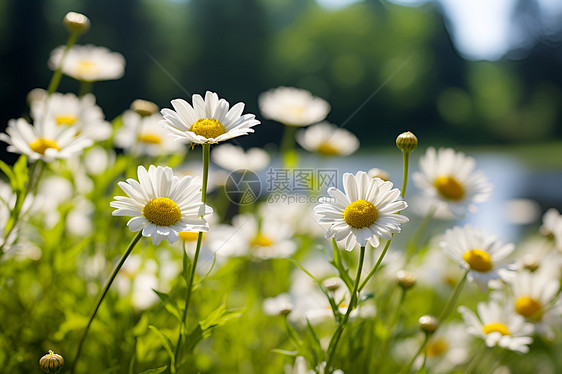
pixel 407 142
pixel 286 309
pixel 144 108
pixel 51 362
pixel 428 324
pixel 405 279
pixel 531 262
pixel 378 173
pixel 76 23
pixel 332 284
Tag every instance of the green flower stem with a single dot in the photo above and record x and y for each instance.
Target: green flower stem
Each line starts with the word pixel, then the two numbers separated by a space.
pixel 183 323
pixel 30 187
pixel 444 314
pixel 85 88
pixel 378 263
pixel 392 324
pixel 102 296
pixel 406 369
pixel 452 299
pixel 287 146
pixel 478 358
pixel 55 79
pixel 405 177
pixel 352 303
pixel 414 242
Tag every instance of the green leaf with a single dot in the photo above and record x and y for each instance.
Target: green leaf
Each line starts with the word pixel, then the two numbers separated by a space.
pixel 186 265
pixel 322 288
pixel 141 327
pixel 167 345
pixel 155 371
pixel 168 304
pixel 206 274
pixel 7 170
pixel 338 264
pixel 21 172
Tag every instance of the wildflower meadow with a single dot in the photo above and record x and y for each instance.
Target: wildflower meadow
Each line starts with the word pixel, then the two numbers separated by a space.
pixel 153 242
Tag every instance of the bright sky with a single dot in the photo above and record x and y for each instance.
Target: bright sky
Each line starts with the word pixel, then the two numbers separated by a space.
pixel 480 29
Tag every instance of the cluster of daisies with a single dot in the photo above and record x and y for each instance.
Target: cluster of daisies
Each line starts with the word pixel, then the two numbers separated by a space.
pixel 170 205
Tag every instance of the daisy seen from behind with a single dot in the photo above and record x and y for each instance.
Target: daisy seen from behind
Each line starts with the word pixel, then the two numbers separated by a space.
pixel 161 204
pixel 46 141
pixel 327 139
pixel 89 63
pixel 207 120
pixel 366 211
pixel 498 326
pixel 293 106
pixel 481 255
pixel 448 178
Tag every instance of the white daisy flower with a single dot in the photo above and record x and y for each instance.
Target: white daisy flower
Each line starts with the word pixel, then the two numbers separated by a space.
pixel 301 367
pixel 46 141
pixel 448 177
pixel 534 297
pixel 146 136
pixel 264 239
pixel 69 110
pixel 293 106
pixel 233 158
pixel 208 121
pixel 498 326
pixel 480 254
pixel 552 226
pixel 366 211
pixel 328 140
pixel 162 205
pixel 89 63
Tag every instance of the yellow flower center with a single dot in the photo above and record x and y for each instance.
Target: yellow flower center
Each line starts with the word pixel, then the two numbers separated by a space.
pixel 326 149
pixel 208 128
pixel 190 236
pixel 496 327
pixel 437 347
pixel 528 307
pixel 478 260
pixel 449 188
pixel 261 241
pixel 86 67
pixel 40 145
pixel 149 138
pixel 66 120
pixel 162 211
pixel 360 214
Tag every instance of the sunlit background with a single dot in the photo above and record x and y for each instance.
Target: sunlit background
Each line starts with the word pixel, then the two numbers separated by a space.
pixel 479 74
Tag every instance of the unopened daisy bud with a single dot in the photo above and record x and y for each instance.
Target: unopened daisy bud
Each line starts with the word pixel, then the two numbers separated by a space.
pixel 144 108
pixel 286 309
pixel 428 324
pixel 379 173
pixel 332 284
pixel 405 279
pixel 36 94
pixel 51 362
pixel 76 23
pixel 407 142
pixel 531 262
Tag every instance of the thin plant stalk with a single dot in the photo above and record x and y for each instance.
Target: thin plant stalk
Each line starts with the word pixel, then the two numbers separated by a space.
pixel 102 296
pixel 354 296
pixel 405 177
pixel 287 146
pixel 85 88
pixel 183 323
pixel 55 79
pixel 444 314
pixel 395 317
